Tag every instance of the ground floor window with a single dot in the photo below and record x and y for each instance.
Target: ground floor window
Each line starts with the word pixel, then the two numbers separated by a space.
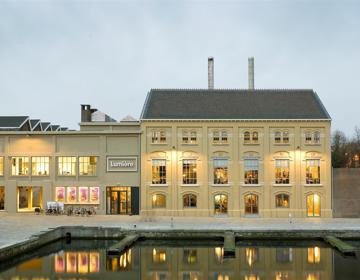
pixel 118 200
pixel 313 205
pixel 189 201
pixel 29 198
pixel 2 198
pixel 220 204
pixel 282 200
pixel 74 195
pixel 158 201
pixel 251 204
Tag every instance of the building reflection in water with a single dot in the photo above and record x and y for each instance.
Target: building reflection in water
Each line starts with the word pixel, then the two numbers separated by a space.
pixel 190 263
pixel 252 255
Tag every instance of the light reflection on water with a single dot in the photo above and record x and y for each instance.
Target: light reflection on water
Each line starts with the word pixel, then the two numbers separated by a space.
pixel 189 261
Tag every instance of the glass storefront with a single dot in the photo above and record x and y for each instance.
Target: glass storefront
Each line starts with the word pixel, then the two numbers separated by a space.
pixel 29 198
pixel 118 200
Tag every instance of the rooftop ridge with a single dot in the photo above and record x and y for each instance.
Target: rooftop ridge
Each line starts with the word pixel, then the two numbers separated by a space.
pixel 230 89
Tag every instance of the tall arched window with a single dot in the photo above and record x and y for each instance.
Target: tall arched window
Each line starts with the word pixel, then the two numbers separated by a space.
pixel 313 205
pixel 158 201
pixel 251 204
pixel 282 200
pixel 189 200
pixel 220 204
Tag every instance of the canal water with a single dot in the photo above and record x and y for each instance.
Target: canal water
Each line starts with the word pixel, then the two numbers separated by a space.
pixel 185 260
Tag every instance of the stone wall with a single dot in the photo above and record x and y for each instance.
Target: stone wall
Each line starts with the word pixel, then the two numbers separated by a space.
pixel 346 192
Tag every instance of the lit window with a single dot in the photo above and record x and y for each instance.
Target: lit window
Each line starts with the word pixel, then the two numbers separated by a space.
pixel 220 171
pixel 1 166
pixel 220 204
pixel 251 204
pixel 158 201
pixel 60 194
pixel 316 137
pixel 29 198
pixel 313 255
pixel 246 137
pixel 282 171
pixel 313 205
pixel 282 200
pixel 2 198
pixel 255 137
pixel 189 256
pixel 87 166
pixel 40 166
pixel 185 137
pixel 158 171
pixel 277 137
pixel 19 166
pixel 252 255
pixel 193 137
pixel 71 195
pixel 189 171
pixel 221 276
pixel 308 137
pixel 159 255
pixel 251 171
pixel 282 275
pixel 312 276
pixel 313 171
pixel 189 201
pixel 67 166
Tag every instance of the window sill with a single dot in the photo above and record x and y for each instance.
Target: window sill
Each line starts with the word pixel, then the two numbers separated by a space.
pixel 220 185
pixel 312 144
pixel 282 185
pixel 159 185
pixel 281 144
pixel 313 185
pixel 87 176
pixel 251 144
pixel 20 176
pixel 163 144
pixel 189 144
pixel 40 176
pixel 250 185
pixel 189 185
pixel 220 144
pixel 81 203
pixel 59 175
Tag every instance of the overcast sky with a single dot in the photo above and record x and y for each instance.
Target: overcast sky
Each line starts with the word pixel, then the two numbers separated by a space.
pixel 56 56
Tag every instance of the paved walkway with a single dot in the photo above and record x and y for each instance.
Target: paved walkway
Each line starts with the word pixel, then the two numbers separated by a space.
pixel 19 227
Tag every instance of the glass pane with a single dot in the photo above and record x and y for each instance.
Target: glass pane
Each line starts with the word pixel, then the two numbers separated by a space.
pixel 23 197
pixel 94 194
pixel 316 205
pixel 83 194
pixel 71 194
pixel 36 197
pixel 60 194
pixel 310 205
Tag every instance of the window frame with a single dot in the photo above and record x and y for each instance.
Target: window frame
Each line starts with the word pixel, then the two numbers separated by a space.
pixel 225 168
pixel 189 196
pixel 71 163
pixel 41 163
pixel 257 198
pixel 281 180
pixel 247 168
pixel 220 137
pixel 153 182
pixel 158 137
pixel 308 172
pixel 155 205
pixel 186 178
pixel 1 166
pixel 89 167
pixel 25 165
pixel 280 197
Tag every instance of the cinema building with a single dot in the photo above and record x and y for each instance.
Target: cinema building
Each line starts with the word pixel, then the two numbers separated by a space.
pixel 194 152
pixel 97 166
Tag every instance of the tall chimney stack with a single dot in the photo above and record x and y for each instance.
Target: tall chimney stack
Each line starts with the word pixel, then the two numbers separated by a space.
pixel 251 73
pixel 211 72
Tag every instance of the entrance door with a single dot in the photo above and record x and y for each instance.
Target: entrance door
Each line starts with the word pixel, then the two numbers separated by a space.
pixel 220 204
pixel 119 202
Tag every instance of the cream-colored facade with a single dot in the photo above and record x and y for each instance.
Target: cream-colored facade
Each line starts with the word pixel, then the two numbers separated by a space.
pixel 98 166
pixel 306 144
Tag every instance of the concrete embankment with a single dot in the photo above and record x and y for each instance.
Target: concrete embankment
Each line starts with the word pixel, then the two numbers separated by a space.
pixel 88 232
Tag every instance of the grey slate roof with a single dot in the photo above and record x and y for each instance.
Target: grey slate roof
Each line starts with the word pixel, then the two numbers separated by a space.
pixel 233 104
pixel 12 122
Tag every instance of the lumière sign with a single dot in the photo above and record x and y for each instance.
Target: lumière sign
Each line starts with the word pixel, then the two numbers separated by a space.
pixel 121 164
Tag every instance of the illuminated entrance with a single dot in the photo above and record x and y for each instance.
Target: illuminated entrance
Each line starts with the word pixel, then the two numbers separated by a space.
pixel 313 205
pixel 122 200
pixel 220 204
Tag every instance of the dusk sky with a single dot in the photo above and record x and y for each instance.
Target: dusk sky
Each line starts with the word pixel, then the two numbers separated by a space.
pixel 56 56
